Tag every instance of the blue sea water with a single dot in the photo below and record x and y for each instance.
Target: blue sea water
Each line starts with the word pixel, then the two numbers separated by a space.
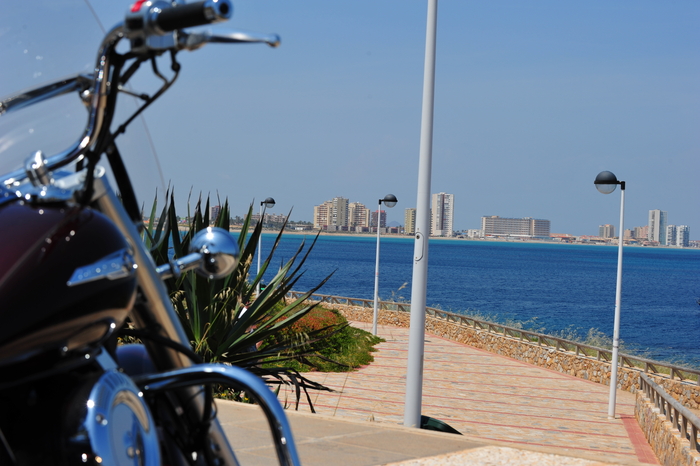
pixel 549 287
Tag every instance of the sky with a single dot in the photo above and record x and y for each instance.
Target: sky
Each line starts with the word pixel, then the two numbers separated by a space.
pixel 532 101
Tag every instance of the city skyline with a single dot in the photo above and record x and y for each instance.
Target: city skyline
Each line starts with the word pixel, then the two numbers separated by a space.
pixel 359 219
pixel 603 230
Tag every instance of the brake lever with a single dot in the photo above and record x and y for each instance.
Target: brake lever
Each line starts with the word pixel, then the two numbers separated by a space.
pixel 195 40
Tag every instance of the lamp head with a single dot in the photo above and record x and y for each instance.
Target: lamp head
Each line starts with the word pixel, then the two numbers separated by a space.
pixel 389 200
pixel 269 203
pixel 606 182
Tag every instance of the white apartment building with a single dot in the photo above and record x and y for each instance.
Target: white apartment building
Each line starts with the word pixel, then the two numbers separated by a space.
pixel 475 233
pixel 503 226
pixel 442 215
pixel 671 235
pixel 657 226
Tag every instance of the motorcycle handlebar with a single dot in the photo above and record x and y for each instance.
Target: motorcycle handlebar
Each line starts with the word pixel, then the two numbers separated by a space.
pixel 193 14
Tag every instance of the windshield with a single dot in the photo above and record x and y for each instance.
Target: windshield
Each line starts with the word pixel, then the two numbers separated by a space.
pixel 42 42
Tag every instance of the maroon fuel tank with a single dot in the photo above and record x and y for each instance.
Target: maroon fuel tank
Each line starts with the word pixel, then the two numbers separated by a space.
pixel 40 248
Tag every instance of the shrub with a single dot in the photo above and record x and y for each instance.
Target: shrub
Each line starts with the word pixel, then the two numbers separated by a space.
pixel 333 345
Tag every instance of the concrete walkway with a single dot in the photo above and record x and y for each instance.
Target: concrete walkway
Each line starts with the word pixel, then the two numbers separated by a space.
pixel 323 441
pixel 509 412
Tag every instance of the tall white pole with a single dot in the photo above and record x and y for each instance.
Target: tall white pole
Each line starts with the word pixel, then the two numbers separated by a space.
pixel 257 287
pixel 618 300
pixel 419 283
pixel 376 277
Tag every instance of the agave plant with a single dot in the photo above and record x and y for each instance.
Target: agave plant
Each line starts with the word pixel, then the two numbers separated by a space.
pixel 224 319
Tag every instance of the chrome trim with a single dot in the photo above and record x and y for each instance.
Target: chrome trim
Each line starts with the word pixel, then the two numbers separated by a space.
pixel 113 267
pixel 218 10
pixel 194 40
pixel 238 378
pixel 39 94
pixel 214 254
pixel 46 195
pixel 35 167
pixel 62 188
pixel 73 181
pixel 119 425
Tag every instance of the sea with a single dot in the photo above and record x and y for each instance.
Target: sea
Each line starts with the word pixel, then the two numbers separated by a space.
pixel 560 289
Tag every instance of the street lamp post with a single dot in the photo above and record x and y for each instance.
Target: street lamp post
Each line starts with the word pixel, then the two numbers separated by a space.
pixel 419 280
pixel 389 201
pixel 268 203
pixel 606 182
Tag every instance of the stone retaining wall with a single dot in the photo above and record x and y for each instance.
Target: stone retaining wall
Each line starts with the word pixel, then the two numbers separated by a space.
pixel 568 362
pixel 664 439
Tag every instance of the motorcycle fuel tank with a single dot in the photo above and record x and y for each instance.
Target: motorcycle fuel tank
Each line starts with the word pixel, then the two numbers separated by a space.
pixel 41 246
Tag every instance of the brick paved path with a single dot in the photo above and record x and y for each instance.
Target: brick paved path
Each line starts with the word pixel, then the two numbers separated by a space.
pixel 491 398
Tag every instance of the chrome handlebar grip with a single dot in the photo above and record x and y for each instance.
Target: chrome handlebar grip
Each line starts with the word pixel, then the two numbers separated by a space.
pixel 192 14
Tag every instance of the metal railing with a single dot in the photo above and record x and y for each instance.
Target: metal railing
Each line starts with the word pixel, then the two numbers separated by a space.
pixel 681 418
pixel 581 349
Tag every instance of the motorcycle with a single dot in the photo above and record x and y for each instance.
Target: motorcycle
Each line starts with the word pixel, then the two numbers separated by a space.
pixel 74 269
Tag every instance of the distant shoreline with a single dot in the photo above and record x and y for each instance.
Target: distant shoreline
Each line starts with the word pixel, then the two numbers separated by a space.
pixel 442 238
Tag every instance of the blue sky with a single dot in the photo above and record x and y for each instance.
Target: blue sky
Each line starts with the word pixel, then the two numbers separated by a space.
pixel 532 100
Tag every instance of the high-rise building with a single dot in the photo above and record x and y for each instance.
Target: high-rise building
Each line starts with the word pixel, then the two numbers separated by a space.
pixel 332 215
pixel 442 214
pixel 606 231
pixel 214 212
pixel 683 236
pixel 339 215
pixel 502 226
pixel 657 226
pixel 382 219
pixel 641 232
pixel 671 235
pixel 358 215
pixel 410 222
pixel 322 215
